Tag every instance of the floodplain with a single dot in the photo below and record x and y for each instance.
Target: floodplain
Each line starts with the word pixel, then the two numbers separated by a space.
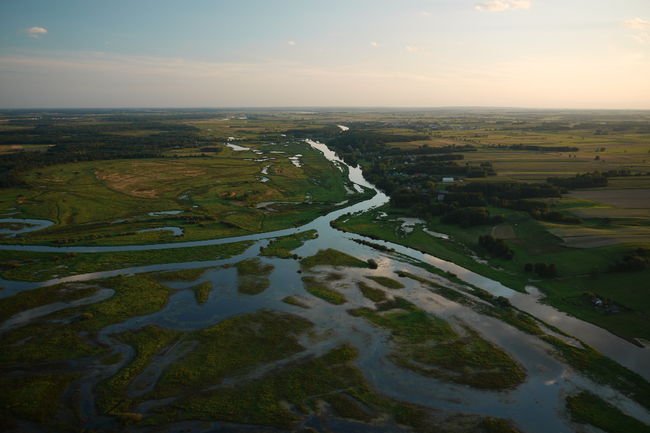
pixel 233 276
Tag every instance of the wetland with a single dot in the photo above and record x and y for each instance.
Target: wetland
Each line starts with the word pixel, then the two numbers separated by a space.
pixel 329 308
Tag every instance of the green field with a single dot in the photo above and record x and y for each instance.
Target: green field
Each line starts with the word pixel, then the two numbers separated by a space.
pixel 216 196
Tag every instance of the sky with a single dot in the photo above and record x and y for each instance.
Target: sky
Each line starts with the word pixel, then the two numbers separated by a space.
pixel 583 54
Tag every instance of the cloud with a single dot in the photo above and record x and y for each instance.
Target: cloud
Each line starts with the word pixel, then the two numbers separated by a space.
pixel 34 32
pixel 291 43
pixel 636 23
pixel 374 44
pixel 426 14
pixel 643 38
pixel 498 5
pixel 412 48
pixel 493 6
pixel 520 4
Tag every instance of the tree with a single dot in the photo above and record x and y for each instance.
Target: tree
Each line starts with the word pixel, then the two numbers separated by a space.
pixel 595 272
pixel 529 267
pixel 551 272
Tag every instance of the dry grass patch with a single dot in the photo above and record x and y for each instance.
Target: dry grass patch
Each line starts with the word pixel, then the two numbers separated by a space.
pixel 504 232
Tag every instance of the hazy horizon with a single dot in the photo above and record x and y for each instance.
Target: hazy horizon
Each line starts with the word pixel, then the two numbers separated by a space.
pixel 515 54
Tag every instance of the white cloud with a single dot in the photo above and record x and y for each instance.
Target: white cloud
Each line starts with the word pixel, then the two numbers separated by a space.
pixel 643 38
pixel 426 14
pixel 520 4
pixel 291 43
pixel 493 6
pixel 498 5
pixel 412 48
pixel 636 23
pixel 34 32
pixel 374 44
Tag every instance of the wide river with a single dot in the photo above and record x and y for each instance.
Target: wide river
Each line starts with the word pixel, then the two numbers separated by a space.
pixel 534 404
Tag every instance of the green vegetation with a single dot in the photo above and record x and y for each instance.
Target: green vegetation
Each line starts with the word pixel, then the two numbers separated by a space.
pixel 45 343
pixel 430 346
pixel 259 401
pixel 386 282
pixel 588 408
pixel 135 296
pixel 109 172
pixel 106 200
pixel 147 342
pixel 375 295
pixel 202 291
pixel 252 276
pixel 34 398
pixel 115 358
pixel 283 246
pixel 347 408
pixel 592 363
pixel 182 275
pixel 321 290
pixel 232 347
pixel 497 425
pixel 293 301
pixel 32 266
pixel 64 292
pixel 332 257
pixel 533 243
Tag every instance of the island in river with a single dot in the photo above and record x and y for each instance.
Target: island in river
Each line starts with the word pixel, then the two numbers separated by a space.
pixel 342 303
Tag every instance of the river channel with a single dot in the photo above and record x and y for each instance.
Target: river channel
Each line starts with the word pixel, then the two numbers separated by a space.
pixel 536 405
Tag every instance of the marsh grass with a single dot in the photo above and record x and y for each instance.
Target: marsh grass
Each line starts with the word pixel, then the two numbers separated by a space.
pixel 347 408
pixel 321 290
pixel 202 292
pixel 27 300
pixel 147 342
pixel 253 267
pixel 386 282
pixel 588 408
pixel 252 276
pixel 43 266
pixel 602 369
pixel 375 295
pixel 34 397
pixel 259 401
pixel 430 346
pixel 44 343
pixel 332 257
pixel 283 246
pixel 497 425
pixel 293 301
pixel 182 275
pixel 230 348
pixel 137 295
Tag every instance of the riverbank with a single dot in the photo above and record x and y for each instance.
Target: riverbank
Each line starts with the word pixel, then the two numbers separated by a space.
pixel 568 293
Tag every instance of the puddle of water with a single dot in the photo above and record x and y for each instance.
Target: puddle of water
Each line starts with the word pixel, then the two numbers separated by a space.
pixel 176 231
pixel 236 147
pixel 166 212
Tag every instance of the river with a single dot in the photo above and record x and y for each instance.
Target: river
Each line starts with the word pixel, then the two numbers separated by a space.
pixel 533 404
